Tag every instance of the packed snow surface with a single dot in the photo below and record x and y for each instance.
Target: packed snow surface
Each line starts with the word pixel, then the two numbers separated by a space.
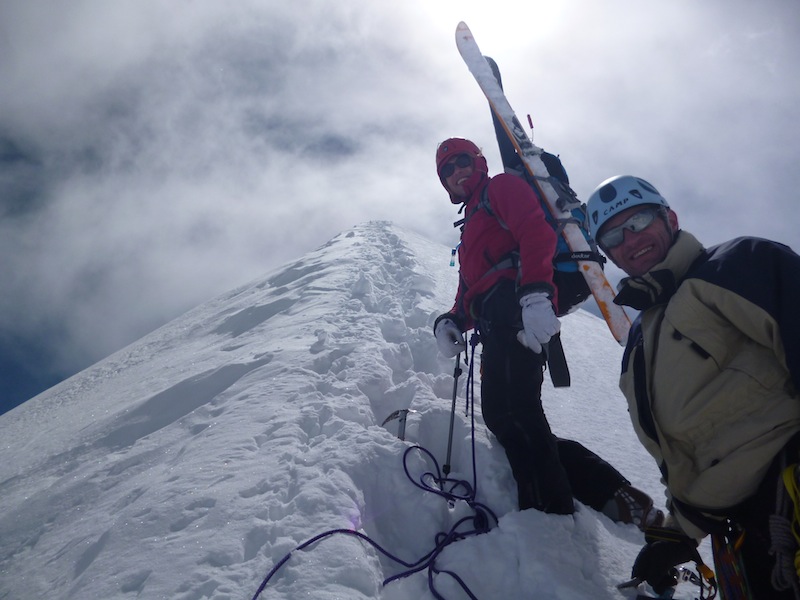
pixel 191 463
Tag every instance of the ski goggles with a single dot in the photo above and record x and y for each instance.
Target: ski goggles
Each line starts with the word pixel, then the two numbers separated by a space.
pixel 461 161
pixel 637 222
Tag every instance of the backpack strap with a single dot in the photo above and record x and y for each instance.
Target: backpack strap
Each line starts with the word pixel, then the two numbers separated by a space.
pixel 570 203
pixel 483 204
pixel 486 205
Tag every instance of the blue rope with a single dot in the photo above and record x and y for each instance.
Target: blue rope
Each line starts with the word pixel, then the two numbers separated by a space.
pixel 481 521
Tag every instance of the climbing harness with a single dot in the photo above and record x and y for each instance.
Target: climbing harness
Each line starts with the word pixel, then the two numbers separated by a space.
pixel 726 546
pixel 784 531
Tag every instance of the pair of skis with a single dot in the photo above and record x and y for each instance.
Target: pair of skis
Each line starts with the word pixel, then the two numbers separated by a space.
pixel 519 151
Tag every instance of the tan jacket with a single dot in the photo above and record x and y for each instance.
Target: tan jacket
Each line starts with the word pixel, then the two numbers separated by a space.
pixel 711 388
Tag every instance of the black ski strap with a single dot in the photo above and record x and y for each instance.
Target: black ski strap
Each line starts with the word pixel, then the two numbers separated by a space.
pixel 576 255
pixel 557 362
pixel 567 199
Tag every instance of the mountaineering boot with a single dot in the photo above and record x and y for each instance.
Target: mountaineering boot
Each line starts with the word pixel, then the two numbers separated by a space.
pixel 632 505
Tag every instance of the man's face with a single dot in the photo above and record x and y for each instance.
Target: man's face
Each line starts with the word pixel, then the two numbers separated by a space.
pixel 640 249
pixel 455 172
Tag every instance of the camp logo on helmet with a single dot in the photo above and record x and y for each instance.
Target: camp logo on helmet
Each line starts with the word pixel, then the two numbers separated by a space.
pixel 620 204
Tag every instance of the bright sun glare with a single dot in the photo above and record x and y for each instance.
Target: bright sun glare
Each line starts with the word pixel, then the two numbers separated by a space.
pixel 500 25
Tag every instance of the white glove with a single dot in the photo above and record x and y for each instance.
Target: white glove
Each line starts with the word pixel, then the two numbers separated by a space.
pixel 539 321
pixel 449 338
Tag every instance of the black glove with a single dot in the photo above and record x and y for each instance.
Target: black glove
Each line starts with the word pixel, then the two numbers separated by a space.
pixel 665 549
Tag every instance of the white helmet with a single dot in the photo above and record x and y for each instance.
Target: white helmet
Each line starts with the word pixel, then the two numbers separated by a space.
pixel 615 195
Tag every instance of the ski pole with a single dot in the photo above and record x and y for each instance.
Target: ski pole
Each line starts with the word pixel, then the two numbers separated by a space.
pixel 456 374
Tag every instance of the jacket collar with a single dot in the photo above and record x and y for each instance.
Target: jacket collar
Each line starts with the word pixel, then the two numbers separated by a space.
pixel 659 284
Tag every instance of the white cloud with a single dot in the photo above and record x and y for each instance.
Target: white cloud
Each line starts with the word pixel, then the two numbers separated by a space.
pixel 180 149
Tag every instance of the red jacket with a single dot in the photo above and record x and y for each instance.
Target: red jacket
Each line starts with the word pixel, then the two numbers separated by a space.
pixel 485 242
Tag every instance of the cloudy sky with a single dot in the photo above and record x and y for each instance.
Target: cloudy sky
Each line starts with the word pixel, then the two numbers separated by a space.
pixel 154 154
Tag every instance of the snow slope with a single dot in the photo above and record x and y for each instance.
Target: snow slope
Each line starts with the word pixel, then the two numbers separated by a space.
pixel 190 463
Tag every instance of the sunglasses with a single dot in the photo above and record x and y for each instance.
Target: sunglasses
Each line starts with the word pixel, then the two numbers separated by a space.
pixel 636 222
pixel 461 161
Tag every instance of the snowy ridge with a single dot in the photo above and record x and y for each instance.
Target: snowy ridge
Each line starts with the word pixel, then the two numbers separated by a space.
pixel 188 464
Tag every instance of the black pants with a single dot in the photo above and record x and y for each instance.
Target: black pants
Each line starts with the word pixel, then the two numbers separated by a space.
pixel 549 471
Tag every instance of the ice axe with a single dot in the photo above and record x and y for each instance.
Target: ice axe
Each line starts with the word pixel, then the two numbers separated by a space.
pixel 456 374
